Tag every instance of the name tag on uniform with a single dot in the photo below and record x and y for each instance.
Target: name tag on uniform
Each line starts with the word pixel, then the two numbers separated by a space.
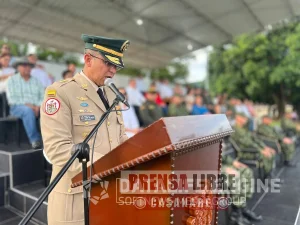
pixel 85 118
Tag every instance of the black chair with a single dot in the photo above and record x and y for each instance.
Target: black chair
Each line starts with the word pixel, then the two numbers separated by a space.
pixel 6 120
pixel 254 161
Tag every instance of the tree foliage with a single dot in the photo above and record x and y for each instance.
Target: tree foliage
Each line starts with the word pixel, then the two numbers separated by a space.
pixel 262 67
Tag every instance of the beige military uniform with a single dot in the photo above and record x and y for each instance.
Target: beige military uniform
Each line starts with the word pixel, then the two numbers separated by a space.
pixel 70 110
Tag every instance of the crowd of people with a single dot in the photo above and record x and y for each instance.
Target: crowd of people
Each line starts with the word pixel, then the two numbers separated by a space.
pixel 24 83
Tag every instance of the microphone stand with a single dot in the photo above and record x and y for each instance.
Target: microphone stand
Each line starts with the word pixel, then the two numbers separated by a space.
pixel 81 152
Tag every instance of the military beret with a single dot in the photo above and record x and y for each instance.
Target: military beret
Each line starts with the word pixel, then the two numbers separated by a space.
pixel 111 49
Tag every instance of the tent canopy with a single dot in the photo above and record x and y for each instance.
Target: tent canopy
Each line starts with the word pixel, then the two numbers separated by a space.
pixel 171 28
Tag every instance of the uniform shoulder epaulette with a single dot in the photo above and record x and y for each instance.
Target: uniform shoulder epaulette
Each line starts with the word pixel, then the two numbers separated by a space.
pixel 66 81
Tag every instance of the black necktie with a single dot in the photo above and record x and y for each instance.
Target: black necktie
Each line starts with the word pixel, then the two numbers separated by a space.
pixel 101 95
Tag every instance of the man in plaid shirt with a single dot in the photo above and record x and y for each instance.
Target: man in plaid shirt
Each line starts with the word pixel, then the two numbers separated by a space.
pixel 25 95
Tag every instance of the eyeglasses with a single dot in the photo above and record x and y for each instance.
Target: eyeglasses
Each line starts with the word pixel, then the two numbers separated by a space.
pixel 107 63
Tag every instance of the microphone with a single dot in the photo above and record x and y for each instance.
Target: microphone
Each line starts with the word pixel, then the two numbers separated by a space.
pixel 109 83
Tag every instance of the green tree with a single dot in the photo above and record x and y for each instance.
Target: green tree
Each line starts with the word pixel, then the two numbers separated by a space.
pixel 262 67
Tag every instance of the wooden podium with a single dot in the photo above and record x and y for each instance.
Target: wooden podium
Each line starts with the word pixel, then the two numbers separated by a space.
pixel 188 143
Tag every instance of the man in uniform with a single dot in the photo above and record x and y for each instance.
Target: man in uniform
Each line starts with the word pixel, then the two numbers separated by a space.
pixel 176 107
pixel 70 110
pixel 244 180
pixel 287 144
pixel 150 111
pixel 245 139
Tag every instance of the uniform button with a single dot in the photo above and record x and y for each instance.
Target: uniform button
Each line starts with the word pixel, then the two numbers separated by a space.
pixel 121 122
pixel 118 113
pixel 69 190
pixel 108 123
pixel 110 140
pixel 86 123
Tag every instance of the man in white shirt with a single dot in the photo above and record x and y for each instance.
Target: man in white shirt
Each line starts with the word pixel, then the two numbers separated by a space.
pixel 135 98
pixel 5 70
pixel 38 72
pixel 131 122
pixel 165 91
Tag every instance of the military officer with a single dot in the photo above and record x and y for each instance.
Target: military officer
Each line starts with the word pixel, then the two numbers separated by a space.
pixel 287 144
pixel 70 110
pixel 244 179
pixel 150 111
pixel 245 139
pixel 176 107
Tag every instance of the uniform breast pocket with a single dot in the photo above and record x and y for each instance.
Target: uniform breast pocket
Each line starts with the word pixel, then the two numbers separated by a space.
pixel 82 126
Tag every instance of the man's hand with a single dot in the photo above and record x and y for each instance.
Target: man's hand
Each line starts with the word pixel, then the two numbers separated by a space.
pixel 287 140
pixel 36 109
pixel 232 171
pixel 238 164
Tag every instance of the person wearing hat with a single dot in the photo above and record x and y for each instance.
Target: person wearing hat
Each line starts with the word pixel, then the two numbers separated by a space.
pixel 25 95
pixel 150 111
pixel 70 110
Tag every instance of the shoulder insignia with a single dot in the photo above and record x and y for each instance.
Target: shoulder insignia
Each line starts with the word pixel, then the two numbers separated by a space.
pixel 52 106
pixel 63 81
pixel 51 93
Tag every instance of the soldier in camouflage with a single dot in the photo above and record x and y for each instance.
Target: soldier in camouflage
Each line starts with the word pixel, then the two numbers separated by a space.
pixel 150 111
pixel 176 107
pixel 243 177
pixel 246 139
pixel 287 144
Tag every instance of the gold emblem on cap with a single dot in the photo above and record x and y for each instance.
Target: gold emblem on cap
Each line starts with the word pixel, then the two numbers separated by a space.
pixel 124 46
pixel 81 98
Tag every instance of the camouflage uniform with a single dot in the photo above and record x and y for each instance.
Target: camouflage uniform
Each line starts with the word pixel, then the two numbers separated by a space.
pixel 243 181
pixel 268 131
pixel 150 112
pixel 177 110
pixel 245 139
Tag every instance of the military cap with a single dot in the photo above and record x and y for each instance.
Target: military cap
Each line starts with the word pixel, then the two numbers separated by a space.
pixel 152 90
pixel 111 49
pixel 23 61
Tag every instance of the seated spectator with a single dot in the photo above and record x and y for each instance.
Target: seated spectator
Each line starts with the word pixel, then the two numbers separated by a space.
pixel 199 108
pixel 67 74
pixel 135 98
pixel 190 99
pixel 131 122
pixel 5 49
pixel 165 91
pixel 150 111
pixel 176 107
pixel 5 70
pixel 25 95
pixel 39 72
pixel 71 67
pixel 287 144
pixel 140 83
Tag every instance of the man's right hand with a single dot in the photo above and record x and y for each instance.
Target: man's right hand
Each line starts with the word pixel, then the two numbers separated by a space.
pixel 232 171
